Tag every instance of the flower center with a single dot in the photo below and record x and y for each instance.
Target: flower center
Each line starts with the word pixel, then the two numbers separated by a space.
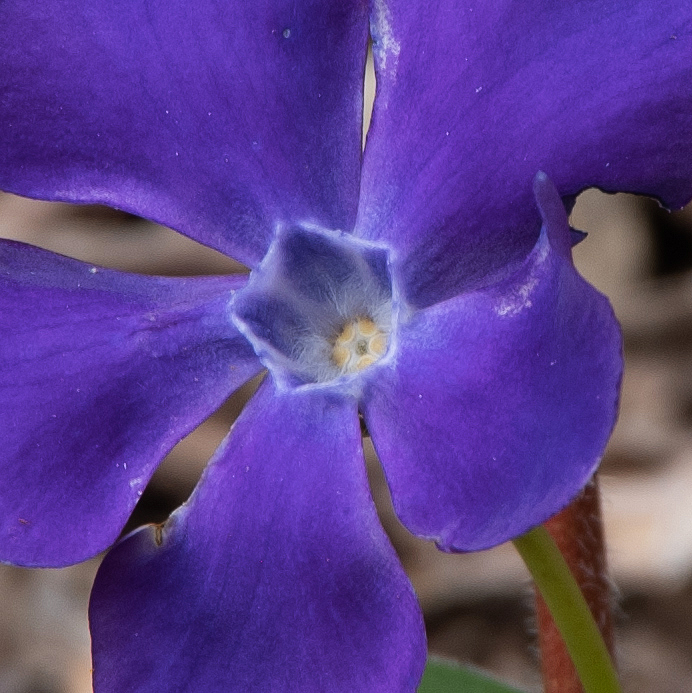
pixel 359 345
pixel 318 308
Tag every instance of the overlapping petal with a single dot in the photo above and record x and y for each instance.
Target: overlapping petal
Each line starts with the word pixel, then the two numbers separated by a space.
pixel 501 401
pixel 101 373
pixel 217 122
pixel 276 576
pixel 473 99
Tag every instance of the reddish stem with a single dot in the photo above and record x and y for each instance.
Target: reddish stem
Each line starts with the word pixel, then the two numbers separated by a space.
pixel 578 533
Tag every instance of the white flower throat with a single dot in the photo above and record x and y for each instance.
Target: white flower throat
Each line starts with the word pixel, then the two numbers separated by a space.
pixel 318 308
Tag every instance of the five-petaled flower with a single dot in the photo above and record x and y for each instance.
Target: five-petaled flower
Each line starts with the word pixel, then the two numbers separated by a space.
pixel 426 283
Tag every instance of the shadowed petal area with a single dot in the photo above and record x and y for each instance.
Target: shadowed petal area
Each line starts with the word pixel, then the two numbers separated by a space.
pixel 501 401
pixel 473 99
pixel 276 576
pixel 101 374
pixel 216 122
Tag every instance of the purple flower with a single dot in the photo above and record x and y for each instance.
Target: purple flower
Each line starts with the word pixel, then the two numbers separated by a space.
pixel 428 286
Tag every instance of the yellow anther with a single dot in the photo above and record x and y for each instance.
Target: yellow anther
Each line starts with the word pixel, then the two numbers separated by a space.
pixel 348 335
pixel 360 343
pixel 378 344
pixel 367 327
pixel 365 361
pixel 340 355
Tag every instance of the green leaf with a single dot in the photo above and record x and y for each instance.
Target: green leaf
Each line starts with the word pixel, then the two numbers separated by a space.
pixel 440 677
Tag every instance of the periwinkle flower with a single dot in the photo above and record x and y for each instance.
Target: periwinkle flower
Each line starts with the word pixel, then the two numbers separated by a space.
pixel 428 286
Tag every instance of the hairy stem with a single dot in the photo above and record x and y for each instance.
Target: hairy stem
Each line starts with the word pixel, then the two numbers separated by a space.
pixel 575 650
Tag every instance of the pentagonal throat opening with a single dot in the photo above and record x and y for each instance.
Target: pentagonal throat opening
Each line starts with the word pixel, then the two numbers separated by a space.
pixel 318 307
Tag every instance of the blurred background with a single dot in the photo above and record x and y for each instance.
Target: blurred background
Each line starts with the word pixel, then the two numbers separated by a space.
pixel 478 607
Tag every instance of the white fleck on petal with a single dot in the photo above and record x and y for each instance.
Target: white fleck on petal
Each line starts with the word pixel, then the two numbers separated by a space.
pixel 386 45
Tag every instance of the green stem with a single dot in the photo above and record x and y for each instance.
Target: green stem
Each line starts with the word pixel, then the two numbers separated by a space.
pixel 569 611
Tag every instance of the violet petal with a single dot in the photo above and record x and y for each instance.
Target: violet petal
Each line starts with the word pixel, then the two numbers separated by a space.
pixel 473 99
pixel 501 401
pixel 275 576
pixel 216 122
pixel 101 373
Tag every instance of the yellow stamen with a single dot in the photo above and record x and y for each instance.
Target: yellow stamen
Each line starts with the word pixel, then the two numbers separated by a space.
pixel 360 343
